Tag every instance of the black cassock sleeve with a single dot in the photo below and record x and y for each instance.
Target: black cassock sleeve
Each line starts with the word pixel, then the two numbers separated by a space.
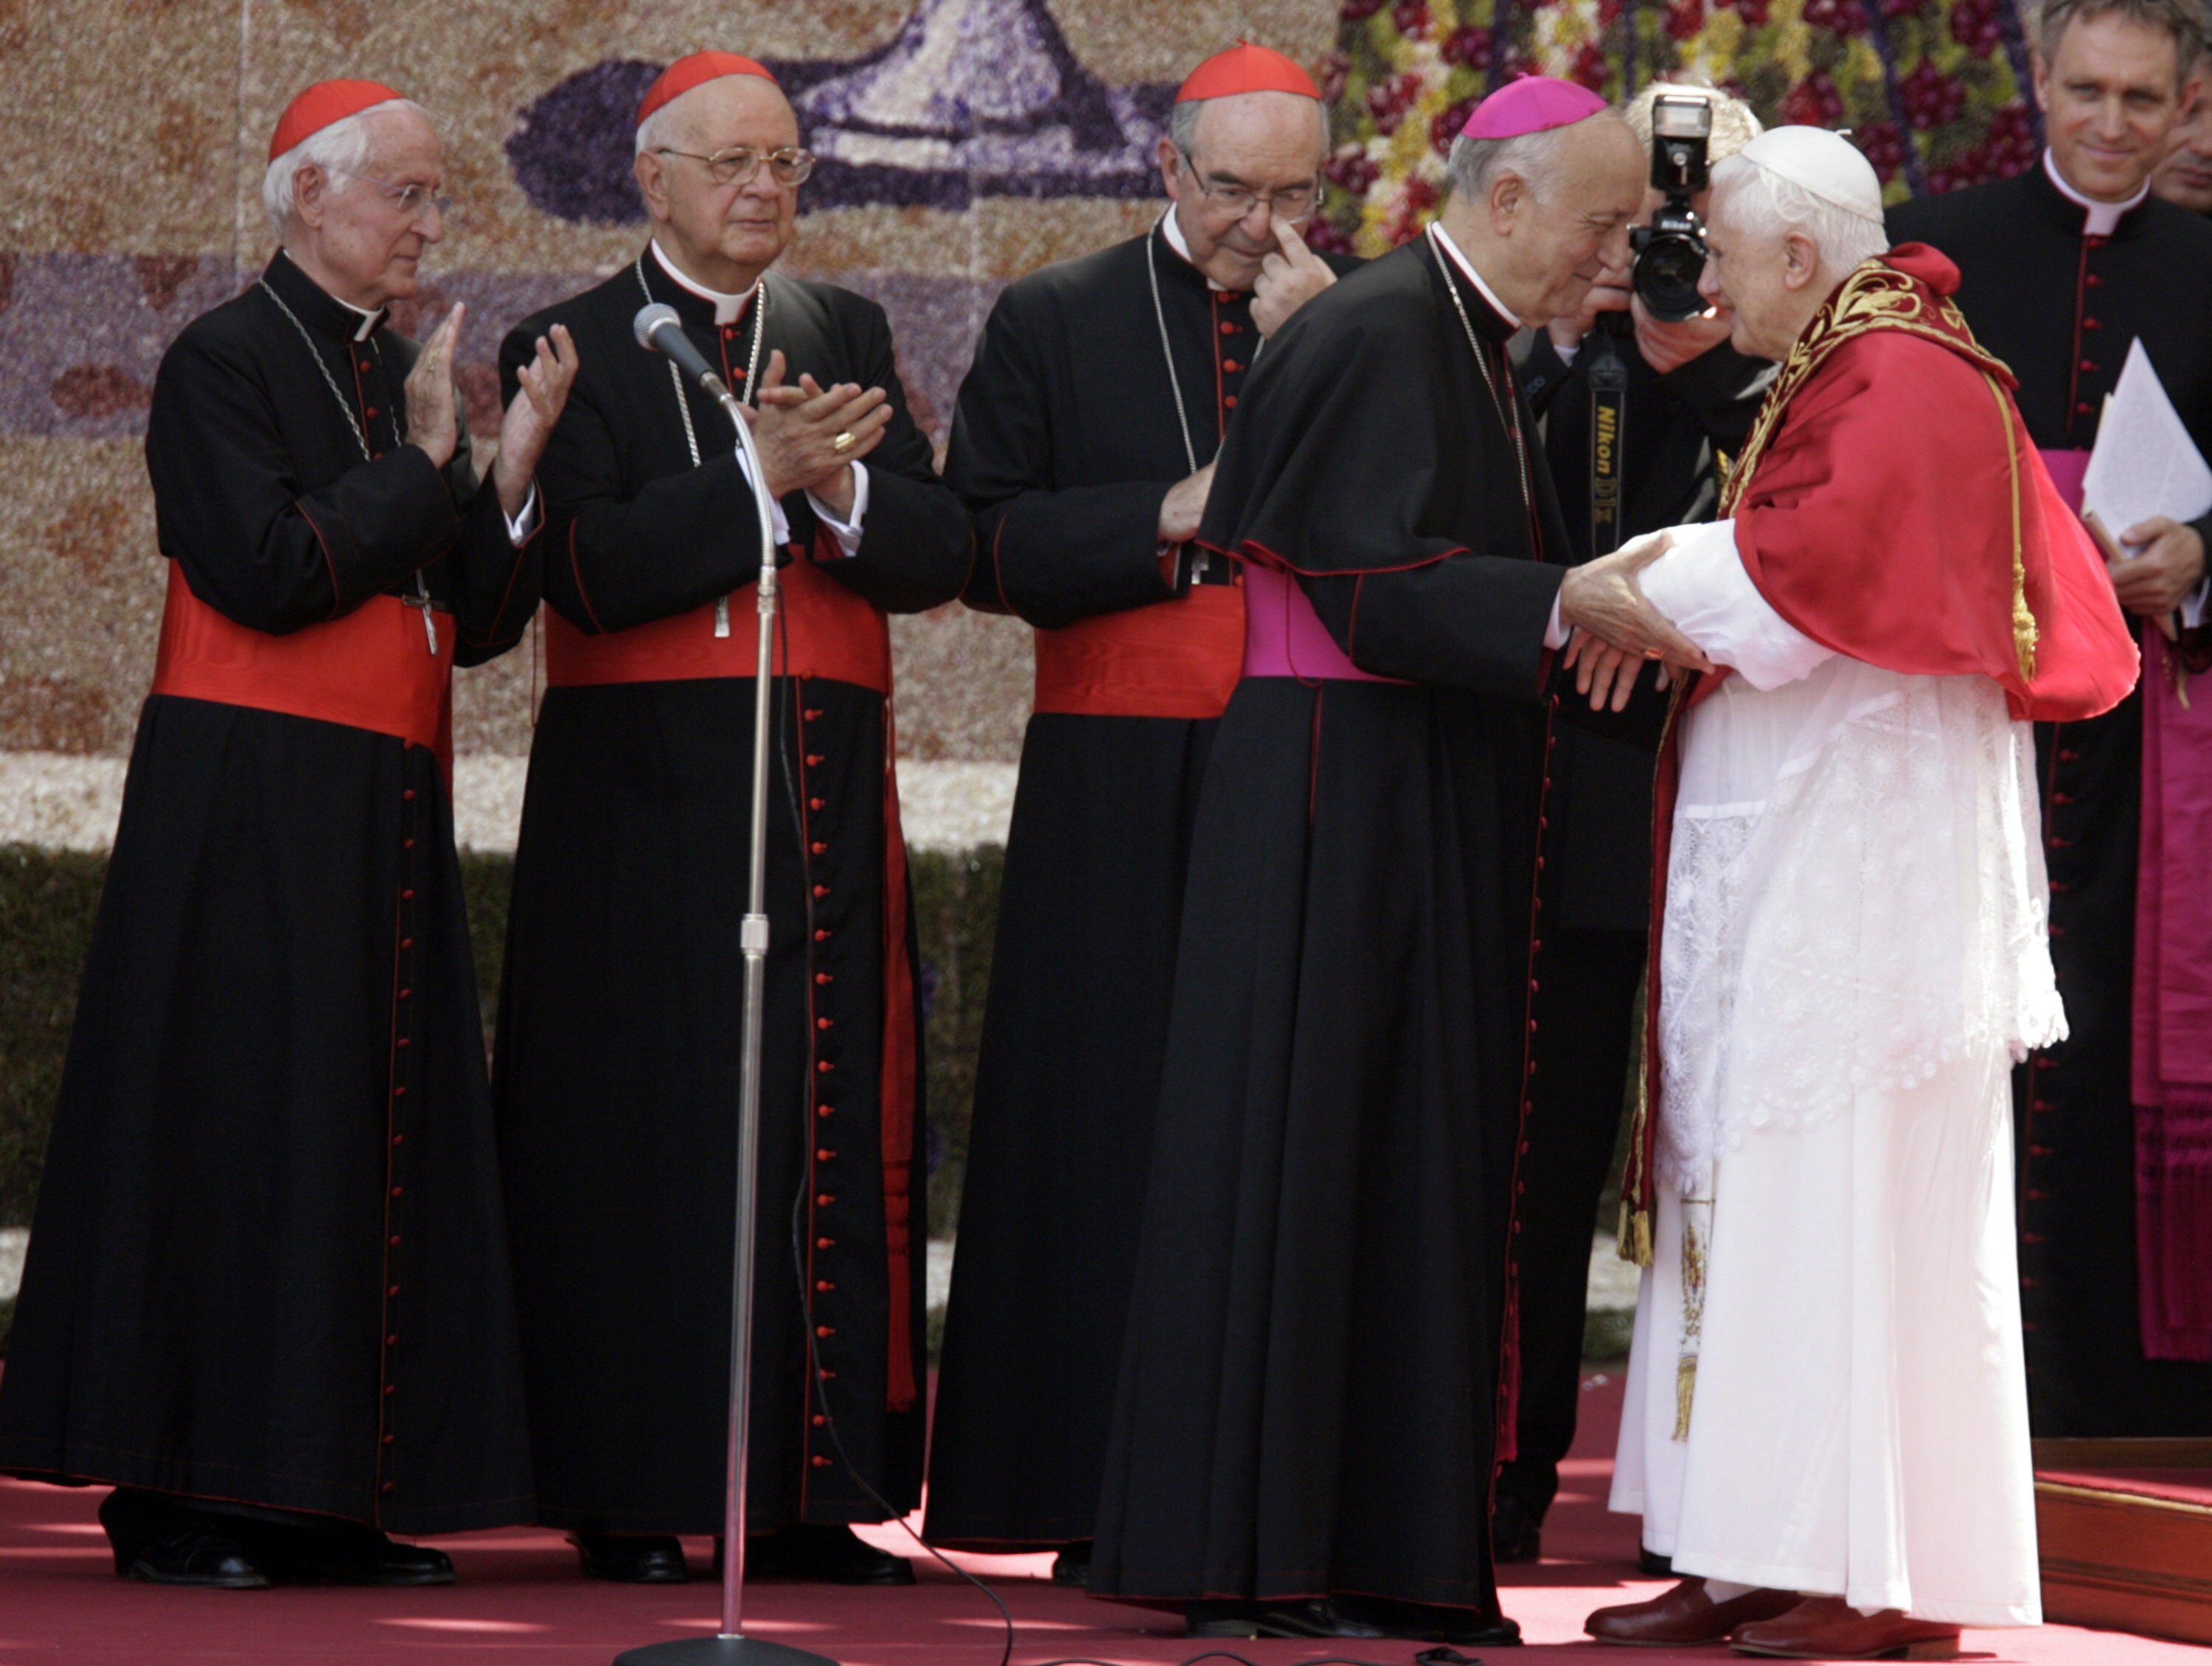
pixel 685 538
pixel 1354 467
pixel 229 508
pixel 612 562
pixel 1049 556
pixel 492 584
pixel 916 545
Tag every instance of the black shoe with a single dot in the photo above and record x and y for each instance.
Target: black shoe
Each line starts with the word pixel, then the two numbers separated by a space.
pixel 164 1542
pixel 631 1559
pixel 344 1553
pixel 1072 1565
pixel 1214 1618
pixel 822 1553
pixel 1516 1535
pixel 1419 1622
pixel 1651 1562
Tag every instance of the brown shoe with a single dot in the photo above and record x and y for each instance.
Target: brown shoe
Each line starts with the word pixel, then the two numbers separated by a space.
pixel 1826 1628
pixel 1685 1617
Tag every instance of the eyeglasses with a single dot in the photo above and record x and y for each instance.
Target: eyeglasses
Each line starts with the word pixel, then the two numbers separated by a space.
pixel 740 164
pixel 410 200
pixel 1294 203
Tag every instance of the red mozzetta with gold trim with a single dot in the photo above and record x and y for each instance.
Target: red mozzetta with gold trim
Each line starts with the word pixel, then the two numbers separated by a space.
pixel 1175 658
pixel 823 629
pixel 371 669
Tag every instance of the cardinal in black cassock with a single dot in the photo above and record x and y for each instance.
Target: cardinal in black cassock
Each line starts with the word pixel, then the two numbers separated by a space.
pixel 2059 284
pixel 1102 387
pixel 1312 1385
pixel 268 1293
pixel 618 1054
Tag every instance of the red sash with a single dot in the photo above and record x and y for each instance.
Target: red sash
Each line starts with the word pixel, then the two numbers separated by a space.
pixel 371 669
pixel 823 629
pixel 1171 658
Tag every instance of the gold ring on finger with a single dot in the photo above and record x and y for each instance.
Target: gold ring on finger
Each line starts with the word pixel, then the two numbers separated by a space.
pixel 844 443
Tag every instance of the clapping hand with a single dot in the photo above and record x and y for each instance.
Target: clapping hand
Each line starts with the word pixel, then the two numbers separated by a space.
pixel 798 430
pixel 432 423
pixel 530 414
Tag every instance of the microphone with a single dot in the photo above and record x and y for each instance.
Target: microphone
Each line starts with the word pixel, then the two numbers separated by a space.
pixel 659 329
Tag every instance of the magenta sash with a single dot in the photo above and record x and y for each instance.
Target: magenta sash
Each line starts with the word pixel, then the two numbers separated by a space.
pixel 2066 468
pixel 1284 637
pixel 2172 1050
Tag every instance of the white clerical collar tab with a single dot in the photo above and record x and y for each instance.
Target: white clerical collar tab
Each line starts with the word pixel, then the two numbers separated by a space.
pixel 2102 217
pixel 728 309
pixel 1459 259
pixel 1176 241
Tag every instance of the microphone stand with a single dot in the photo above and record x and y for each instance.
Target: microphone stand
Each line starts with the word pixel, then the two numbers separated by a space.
pixel 731 1646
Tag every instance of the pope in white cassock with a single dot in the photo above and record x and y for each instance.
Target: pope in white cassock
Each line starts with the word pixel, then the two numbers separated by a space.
pixel 1826 1422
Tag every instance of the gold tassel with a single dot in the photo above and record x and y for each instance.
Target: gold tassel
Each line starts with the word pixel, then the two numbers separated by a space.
pixel 2024 630
pixel 1685 1388
pixel 1632 1243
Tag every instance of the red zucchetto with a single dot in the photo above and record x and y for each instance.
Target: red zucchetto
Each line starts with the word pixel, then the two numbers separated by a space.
pixel 1245 68
pixel 696 70
pixel 1533 104
pixel 325 102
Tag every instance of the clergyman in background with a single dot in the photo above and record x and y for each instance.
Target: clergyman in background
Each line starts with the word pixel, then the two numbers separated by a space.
pixel 617 1068
pixel 2061 272
pixel 268 1293
pixel 1084 446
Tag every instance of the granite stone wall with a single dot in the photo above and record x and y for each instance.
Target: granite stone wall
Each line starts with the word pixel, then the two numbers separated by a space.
pixel 964 141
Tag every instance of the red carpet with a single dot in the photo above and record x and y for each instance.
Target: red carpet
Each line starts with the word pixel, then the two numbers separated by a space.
pixel 520 1603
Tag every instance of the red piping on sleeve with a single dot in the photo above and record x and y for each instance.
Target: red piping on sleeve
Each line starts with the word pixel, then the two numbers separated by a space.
pixel 338 598
pixel 576 572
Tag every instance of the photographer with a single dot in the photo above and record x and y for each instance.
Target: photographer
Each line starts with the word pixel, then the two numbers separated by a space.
pixel 1663 398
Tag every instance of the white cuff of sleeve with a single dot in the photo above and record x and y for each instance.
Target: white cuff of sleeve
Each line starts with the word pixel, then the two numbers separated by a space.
pixel 1555 633
pixel 2192 605
pixel 1700 585
pixel 779 523
pixel 524 521
pixel 846 532
pixel 1566 354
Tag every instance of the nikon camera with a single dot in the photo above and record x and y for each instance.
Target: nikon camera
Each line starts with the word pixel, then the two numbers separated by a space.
pixel 1670 252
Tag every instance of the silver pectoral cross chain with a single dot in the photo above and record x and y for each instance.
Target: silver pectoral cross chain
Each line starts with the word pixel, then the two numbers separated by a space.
pixel 421 596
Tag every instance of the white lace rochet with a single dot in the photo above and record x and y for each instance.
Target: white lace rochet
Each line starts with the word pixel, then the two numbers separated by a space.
pixel 1855 892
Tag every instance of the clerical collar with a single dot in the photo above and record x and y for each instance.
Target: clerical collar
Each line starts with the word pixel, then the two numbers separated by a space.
pixel 728 309
pixel 1459 259
pixel 2103 218
pixel 326 311
pixel 1181 245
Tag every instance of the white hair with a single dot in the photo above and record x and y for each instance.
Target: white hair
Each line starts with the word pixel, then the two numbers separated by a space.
pixel 343 147
pixel 1183 123
pixel 1472 165
pixel 1735 125
pixel 659 130
pixel 1766 205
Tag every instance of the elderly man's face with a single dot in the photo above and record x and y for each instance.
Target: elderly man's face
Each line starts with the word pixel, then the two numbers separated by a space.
pixel 2109 96
pixel 1570 233
pixel 1766 286
pixel 1256 157
pixel 2185 175
pixel 724 234
pixel 364 233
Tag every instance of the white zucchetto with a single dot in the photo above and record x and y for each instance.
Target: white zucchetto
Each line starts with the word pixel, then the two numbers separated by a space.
pixel 1827 165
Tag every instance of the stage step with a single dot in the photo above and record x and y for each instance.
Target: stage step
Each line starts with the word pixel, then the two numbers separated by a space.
pixel 2126 1534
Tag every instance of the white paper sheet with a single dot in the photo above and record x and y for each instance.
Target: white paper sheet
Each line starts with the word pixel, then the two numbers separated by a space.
pixel 2144 463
